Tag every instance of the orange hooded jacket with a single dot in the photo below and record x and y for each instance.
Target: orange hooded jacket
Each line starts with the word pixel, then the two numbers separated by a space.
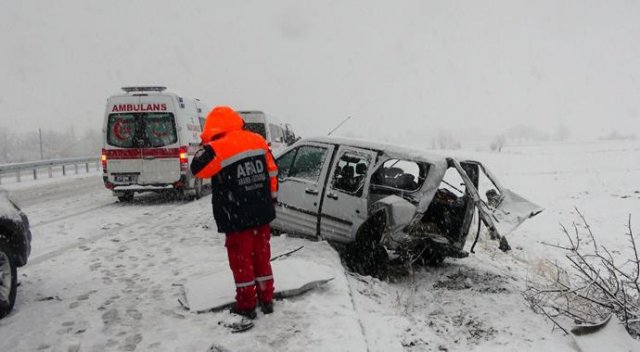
pixel 242 170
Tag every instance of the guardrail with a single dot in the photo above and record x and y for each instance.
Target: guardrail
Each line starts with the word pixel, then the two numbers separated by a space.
pixel 32 167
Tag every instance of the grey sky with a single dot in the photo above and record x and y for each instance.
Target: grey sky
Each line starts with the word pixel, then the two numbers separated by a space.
pixel 393 66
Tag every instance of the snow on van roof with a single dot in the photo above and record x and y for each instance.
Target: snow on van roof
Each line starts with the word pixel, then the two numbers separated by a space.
pixel 391 149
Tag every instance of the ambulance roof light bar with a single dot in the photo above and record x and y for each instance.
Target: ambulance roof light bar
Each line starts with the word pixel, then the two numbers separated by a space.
pixel 144 89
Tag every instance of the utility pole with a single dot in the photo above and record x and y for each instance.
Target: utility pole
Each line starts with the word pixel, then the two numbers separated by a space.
pixel 40 135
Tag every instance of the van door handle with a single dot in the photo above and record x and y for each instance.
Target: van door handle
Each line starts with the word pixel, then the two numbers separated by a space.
pixel 311 191
pixel 332 195
pixel 149 158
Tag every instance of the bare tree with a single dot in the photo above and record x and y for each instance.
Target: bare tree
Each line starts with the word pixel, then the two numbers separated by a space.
pixel 595 286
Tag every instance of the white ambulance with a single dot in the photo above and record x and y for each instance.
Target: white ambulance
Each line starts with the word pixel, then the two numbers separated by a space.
pixel 269 127
pixel 150 137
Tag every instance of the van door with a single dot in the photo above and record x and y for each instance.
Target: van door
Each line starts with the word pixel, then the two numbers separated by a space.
pixel 301 176
pixel 500 208
pixel 122 150
pixel 161 153
pixel 344 207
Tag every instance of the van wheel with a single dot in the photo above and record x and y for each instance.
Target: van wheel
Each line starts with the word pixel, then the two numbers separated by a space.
pixel 197 184
pixel 126 197
pixel 366 255
pixel 8 280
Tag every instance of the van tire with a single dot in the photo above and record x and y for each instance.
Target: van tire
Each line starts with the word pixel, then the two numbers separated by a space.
pixel 366 255
pixel 126 197
pixel 8 280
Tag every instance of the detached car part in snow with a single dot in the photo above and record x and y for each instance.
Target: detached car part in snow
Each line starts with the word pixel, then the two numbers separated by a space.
pixel 15 247
pixel 373 200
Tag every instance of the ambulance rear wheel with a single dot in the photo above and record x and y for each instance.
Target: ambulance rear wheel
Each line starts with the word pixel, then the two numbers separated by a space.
pixel 197 185
pixel 126 197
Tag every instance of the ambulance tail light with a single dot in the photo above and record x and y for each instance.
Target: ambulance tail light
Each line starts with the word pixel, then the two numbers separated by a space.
pixel 103 159
pixel 184 158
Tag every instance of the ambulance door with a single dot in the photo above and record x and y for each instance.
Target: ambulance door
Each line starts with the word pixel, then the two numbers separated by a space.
pixel 122 151
pixel 161 152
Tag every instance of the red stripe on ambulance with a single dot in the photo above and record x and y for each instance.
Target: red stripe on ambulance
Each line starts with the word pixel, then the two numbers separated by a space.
pixel 160 153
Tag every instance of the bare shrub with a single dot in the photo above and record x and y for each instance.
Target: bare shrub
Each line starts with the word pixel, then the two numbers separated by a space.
pixel 594 286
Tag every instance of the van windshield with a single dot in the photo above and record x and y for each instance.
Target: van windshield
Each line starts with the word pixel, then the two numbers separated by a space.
pixel 141 130
pixel 256 127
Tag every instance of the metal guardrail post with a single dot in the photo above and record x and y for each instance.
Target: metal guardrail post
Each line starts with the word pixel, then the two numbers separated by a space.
pixel 64 171
pixel 35 174
pixel 18 175
pixel 50 171
pixel 75 166
pixel 86 166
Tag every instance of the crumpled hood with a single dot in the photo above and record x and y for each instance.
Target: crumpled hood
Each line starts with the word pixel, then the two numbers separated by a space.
pixel 221 119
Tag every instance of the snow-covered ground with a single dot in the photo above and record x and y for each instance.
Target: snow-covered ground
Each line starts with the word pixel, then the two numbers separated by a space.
pixel 105 276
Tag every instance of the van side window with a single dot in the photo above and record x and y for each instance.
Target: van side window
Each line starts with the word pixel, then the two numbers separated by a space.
pixel 350 173
pixel 277 134
pixel 284 163
pixel 307 163
pixel 403 175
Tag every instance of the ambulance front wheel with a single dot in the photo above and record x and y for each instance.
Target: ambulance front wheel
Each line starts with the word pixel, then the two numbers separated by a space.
pixel 125 197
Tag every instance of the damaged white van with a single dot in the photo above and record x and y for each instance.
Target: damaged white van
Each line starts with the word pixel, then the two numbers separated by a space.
pixel 150 137
pixel 377 202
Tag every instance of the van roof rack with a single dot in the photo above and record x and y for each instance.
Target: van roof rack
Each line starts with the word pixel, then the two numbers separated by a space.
pixel 144 89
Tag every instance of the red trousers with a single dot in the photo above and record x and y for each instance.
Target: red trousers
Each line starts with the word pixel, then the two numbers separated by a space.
pixel 249 254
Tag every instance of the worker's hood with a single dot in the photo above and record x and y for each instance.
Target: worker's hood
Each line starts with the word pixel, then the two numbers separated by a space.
pixel 221 119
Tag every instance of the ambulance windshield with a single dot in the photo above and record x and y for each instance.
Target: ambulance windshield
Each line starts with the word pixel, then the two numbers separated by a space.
pixel 256 127
pixel 141 130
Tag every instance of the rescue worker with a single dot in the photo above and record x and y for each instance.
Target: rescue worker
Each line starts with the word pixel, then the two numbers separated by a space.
pixel 243 191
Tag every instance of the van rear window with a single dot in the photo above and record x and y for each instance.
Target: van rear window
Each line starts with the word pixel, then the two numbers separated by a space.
pixel 256 127
pixel 141 130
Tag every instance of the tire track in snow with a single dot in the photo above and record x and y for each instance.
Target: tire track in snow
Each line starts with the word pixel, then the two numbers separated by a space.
pixel 108 233
pixel 68 216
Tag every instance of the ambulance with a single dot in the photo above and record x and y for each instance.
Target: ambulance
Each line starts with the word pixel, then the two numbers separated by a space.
pixel 150 137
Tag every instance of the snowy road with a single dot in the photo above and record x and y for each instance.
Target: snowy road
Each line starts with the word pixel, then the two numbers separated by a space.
pixel 105 276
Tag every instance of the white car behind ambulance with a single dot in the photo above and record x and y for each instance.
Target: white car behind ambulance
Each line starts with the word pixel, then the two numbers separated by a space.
pixel 150 137
pixel 277 135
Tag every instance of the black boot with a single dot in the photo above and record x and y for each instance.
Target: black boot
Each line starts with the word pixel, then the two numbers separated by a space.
pixel 267 307
pixel 247 313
